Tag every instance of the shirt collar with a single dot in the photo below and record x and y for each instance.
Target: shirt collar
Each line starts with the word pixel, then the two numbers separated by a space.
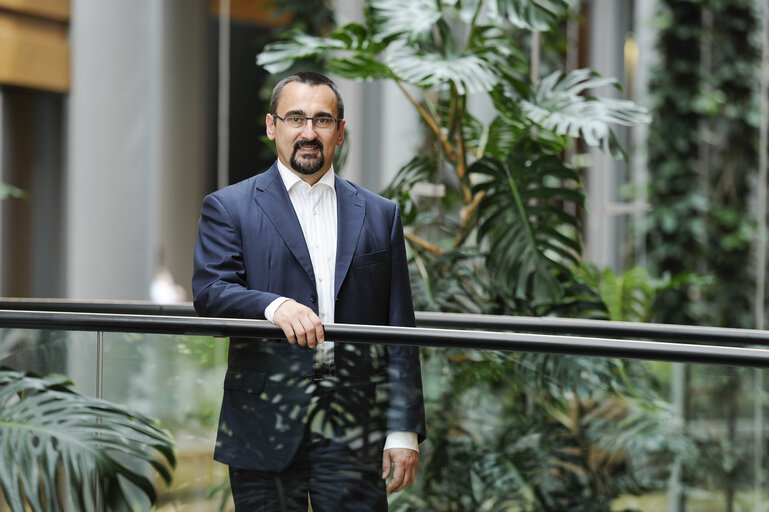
pixel 290 178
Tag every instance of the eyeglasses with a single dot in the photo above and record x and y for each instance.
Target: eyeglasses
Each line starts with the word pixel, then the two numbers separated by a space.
pixel 320 123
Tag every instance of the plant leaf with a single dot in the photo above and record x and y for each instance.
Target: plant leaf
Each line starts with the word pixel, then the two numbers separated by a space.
pixel 470 73
pixel 7 191
pixel 58 443
pixel 558 104
pixel 279 56
pixel 412 18
pixel 523 221
pixel 527 14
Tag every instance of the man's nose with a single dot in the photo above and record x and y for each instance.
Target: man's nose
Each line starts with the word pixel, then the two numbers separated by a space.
pixel 308 131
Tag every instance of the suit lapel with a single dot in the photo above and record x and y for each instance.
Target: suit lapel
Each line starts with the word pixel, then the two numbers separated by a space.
pixel 351 210
pixel 272 197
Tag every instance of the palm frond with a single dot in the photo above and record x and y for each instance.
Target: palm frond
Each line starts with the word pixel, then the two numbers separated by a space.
pixel 410 18
pixel 453 282
pixel 57 446
pixel 349 51
pixel 280 55
pixel 559 105
pixel 629 296
pixel 501 137
pixel 470 72
pixel 527 14
pixel 531 238
pixel 418 170
pixel 644 436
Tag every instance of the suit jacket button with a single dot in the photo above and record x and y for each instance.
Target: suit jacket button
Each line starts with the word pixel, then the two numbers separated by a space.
pixel 313 298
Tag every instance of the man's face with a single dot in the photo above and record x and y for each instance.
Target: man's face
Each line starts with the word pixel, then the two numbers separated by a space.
pixel 308 151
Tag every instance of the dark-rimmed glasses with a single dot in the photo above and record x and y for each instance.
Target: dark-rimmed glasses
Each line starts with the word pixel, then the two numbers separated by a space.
pixel 319 123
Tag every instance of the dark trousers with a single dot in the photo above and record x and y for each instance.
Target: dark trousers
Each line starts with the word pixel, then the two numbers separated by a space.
pixel 336 477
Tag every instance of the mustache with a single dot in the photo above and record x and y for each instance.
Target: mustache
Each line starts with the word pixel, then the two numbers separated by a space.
pixel 308 144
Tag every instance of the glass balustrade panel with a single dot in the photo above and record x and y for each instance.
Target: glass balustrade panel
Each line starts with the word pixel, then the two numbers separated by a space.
pixel 506 431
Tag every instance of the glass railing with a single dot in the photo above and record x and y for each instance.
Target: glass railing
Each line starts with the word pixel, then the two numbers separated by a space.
pixel 615 418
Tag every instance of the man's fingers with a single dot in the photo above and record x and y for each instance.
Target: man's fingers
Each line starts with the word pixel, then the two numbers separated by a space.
pixel 289 333
pixel 399 476
pixel 402 478
pixel 310 328
pixel 308 331
pixel 299 323
pixel 386 464
pixel 405 464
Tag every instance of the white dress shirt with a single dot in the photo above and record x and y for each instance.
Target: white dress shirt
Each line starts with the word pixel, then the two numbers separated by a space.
pixel 315 207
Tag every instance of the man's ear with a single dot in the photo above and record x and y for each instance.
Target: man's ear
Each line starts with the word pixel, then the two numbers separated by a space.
pixel 269 123
pixel 340 133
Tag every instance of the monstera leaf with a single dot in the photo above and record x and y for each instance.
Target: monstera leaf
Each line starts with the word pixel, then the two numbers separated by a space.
pixel 410 19
pixel 412 41
pixel 416 17
pixel 470 72
pixel 525 14
pixel 60 450
pixel 531 237
pixel 560 104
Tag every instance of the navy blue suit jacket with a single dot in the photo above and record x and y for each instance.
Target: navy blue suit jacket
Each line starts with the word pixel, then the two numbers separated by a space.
pixel 250 250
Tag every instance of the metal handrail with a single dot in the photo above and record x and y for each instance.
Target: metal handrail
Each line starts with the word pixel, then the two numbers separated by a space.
pixel 417 336
pixel 536 325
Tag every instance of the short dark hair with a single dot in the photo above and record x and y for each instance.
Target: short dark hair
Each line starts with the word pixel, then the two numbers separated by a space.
pixel 309 78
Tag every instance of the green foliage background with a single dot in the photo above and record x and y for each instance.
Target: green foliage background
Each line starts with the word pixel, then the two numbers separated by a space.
pixel 702 164
pixel 702 157
pixel 61 450
pixel 507 431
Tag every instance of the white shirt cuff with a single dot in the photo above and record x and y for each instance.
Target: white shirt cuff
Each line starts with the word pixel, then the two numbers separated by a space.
pixel 269 312
pixel 402 439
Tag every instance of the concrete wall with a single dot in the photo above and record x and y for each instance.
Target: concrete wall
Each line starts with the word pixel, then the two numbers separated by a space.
pixel 136 163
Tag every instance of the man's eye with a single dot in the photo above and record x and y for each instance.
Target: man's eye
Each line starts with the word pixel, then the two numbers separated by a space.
pixel 295 120
pixel 323 121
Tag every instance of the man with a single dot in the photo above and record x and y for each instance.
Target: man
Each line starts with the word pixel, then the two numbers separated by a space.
pixel 301 247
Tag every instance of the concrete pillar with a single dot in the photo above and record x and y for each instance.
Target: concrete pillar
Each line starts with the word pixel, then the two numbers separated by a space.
pixel 136 144
pixel 606 40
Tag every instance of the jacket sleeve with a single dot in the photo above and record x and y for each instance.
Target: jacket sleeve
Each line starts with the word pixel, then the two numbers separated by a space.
pixel 219 283
pixel 406 409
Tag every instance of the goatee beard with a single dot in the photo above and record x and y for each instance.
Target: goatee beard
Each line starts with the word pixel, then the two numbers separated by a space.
pixel 308 165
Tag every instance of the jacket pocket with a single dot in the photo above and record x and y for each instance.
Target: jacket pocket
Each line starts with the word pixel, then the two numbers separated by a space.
pixel 245 379
pixel 371 258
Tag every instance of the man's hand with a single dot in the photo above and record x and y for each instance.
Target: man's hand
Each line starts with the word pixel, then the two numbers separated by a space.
pixel 300 324
pixel 403 463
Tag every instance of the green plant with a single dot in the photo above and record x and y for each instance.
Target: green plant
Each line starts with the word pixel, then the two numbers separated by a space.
pixel 506 430
pixel 628 296
pixel 8 191
pixel 702 157
pixel 61 450
pixel 703 160
pixel 540 432
pixel 502 173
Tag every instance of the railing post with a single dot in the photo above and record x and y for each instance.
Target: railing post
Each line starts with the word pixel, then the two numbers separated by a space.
pixel 675 496
pixel 758 440
pixel 100 364
pixel 98 498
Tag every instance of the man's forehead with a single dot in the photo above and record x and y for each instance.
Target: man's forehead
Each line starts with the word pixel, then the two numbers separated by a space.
pixel 300 96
